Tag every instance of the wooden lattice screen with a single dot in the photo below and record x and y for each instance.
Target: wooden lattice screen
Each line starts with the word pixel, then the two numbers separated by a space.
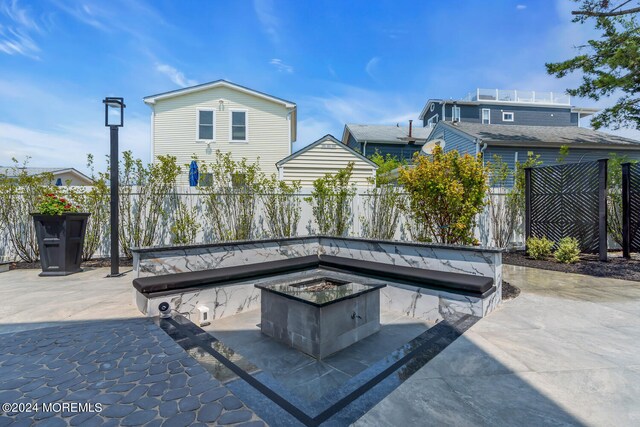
pixel 568 200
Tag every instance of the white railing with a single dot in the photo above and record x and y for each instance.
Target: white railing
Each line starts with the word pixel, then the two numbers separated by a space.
pixel 521 96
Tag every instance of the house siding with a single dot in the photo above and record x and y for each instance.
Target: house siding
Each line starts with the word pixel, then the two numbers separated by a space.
pixel 326 157
pixel 549 156
pixel 400 151
pixel 175 133
pixel 460 142
pixel 523 115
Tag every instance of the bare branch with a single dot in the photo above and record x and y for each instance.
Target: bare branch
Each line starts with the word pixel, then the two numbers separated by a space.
pixel 601 14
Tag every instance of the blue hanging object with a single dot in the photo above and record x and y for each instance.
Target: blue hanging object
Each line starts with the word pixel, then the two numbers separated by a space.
pixel 59 182
pixel 193 174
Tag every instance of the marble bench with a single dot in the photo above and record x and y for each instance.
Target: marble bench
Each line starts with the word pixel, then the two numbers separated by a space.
pixel 456 283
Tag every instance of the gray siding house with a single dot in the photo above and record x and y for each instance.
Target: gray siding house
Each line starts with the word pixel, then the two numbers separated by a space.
pixel 511 124
pixel 399 141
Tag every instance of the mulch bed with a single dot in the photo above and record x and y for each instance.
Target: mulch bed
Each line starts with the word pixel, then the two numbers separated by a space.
pixel 94 263
pixel 509 291
pixel 617 267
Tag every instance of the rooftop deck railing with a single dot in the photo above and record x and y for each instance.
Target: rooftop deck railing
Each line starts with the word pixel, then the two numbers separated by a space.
pixel 522 96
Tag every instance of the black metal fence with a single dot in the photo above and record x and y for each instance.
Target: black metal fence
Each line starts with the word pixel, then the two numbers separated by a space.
pixel 568 200
pixel 630 208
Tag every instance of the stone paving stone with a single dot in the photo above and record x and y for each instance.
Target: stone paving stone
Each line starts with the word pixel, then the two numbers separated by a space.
pixel 190 403
pixel 235 417
pixel 231 402
pixel 182 419
pixel 139 374
pixel 138 418
pixel 215 394
pixel 210 412
pixel 168 409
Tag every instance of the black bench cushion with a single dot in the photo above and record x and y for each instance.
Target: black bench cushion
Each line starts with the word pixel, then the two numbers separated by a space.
pixel 431 278
pixel 148 285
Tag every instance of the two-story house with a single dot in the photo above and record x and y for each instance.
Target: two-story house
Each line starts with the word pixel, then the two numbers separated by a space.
pixel 224 116
pixel 511 123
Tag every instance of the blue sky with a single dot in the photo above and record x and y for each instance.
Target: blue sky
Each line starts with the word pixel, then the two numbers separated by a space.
pixel 340 61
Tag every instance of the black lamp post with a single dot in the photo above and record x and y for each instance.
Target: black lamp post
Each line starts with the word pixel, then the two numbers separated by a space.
pixel 114 119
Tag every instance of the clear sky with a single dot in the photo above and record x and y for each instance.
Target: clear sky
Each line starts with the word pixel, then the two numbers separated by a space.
pixel 371 62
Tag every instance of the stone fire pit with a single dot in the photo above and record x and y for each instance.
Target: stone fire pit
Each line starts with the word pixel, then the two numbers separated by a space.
pixel 320 316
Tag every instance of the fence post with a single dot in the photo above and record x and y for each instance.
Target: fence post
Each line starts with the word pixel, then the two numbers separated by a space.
pixel 602 209
pixel 626 211
pixel 527 205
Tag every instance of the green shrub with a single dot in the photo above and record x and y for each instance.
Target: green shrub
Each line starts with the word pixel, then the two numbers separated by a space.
pixel 539 247
pixel 568 250
pixel 331 202
pixel 445 192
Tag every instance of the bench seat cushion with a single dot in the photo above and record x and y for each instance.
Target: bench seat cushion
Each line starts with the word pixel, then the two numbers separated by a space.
pixel 416 276
pixel 429 279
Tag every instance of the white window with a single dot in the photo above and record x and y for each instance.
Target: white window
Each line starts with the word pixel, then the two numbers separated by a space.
pixel 206 125
pixel 507 116
pixel 432 121
pixel 486 116
pixel 455 114
pixel 238 125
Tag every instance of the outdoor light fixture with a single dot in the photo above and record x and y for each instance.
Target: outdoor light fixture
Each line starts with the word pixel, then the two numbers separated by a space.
pixel 114 119
pixel 114 112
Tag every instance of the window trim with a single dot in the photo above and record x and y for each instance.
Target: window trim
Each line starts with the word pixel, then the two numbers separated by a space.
pixel 513 116
pixel 433 120
pixel 455 109
pixel 198 139
pixel 246 124
pixel 488 110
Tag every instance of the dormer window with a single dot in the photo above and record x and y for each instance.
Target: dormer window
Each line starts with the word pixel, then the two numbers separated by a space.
pixel 507 116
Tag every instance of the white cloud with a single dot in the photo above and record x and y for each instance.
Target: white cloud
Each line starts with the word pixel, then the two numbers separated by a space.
pixel 521 7
pixel 371 66
pixel 175 75
pixel 16 37
pixel 265 11
pixel 281 66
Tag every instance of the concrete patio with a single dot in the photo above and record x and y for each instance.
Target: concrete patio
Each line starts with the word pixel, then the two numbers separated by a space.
pixel 565 352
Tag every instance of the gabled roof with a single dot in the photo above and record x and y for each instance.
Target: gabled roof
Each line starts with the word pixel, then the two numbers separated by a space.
pixel 325 138
pixel 151 99
pixel 12 172
pixel 519 135
pixel 385 133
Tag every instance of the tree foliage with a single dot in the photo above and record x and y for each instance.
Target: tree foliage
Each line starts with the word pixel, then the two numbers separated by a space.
pixel 331 202
pixel 610 65
pixel 446 191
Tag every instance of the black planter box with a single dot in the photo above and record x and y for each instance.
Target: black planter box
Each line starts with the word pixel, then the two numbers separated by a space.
pixel 60 240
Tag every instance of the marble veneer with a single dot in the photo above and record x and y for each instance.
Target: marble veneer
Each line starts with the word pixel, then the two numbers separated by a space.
pixel 223 301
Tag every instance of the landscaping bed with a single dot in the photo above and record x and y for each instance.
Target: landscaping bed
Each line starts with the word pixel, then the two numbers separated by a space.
pixel 94 263
pixel 617 267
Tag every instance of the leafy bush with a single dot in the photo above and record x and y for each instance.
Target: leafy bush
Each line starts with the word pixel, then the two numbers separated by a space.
pixel 281 206
pixel 446 191
pixel 143 198
pixel 231 198
pixel 539 247
pixel 331 200
pixel 568 250
pixel 19 196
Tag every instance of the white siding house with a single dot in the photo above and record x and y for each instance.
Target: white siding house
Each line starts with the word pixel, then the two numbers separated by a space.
pixel 326 155
pixel 221 116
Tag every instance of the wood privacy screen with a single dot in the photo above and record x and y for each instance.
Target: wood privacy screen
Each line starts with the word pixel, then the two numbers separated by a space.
pixel 630 208
pixel 568 200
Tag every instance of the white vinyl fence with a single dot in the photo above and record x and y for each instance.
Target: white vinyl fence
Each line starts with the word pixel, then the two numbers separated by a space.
pixel 306 225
